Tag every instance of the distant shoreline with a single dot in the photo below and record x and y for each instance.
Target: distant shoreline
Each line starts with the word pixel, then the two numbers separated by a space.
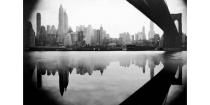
pixel 44 48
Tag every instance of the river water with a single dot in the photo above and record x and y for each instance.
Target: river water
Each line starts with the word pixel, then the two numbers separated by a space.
pixel 97 78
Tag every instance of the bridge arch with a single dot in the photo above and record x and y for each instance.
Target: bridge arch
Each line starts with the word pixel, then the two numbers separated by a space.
pixel 178 17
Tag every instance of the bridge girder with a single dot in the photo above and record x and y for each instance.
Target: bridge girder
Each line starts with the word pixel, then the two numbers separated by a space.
pixel 158 12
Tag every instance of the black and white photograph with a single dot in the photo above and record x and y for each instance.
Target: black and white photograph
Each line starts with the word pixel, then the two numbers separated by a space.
pixel 104 52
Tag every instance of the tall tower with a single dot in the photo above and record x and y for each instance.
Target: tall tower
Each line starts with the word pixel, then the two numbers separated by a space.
pixel 143 29
pixel 143 33
pixel 151 31
pixel 38 23
pixel 151 25
pixel 62 25
pixel 48 29
pixel 101 36
pixel 65 22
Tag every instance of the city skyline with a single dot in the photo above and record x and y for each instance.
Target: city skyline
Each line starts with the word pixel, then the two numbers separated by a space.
pixel 87 36
pixel 130 20
pixel 63 28
pixel 90 38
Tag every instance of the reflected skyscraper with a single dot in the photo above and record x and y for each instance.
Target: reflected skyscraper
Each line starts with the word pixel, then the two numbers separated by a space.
pixel 49 72
pixel 39 79
pixel 53 71
pixel 151 65
pixel 81 68
pixel 40 71
pixel 141 63
pixel 100 68
pixel 70 69
pixel 63 80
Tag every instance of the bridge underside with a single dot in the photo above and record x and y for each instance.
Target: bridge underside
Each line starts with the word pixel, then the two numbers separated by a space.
pixel 158 12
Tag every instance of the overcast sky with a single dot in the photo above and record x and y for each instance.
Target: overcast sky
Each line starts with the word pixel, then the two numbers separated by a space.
pixel 116 16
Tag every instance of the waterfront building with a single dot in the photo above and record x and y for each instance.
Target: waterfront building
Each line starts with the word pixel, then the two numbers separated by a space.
pixel 125 38
pixel 156 40
pixel 88 33
pixel 74 37
pixel 43 35
pixel 132 38
pixel 41 38
pixel 94 38
pixel 137 36
pixel 52 36
pixel 48 29
pixel 142 34
pixel 102 35
pixel 53 30
pixel 98 41
pixel 29 35
pixel 68 40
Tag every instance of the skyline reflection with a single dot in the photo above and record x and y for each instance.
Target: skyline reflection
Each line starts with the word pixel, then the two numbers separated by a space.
pixel 64 66
pixel 71 73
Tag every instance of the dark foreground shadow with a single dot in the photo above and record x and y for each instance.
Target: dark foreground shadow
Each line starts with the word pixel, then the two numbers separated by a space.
pixel 31 94
pixel 156 90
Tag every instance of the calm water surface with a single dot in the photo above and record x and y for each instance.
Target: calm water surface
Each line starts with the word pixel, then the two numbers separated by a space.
pixel 95 78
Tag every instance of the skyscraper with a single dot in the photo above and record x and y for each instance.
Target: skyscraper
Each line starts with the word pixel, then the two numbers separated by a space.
pixel 132 38
pixel 48 29
pixel 80 28
pixel 142 34
pixel 38 23
pixel 65 22
pixel 62 25
pixel 74 37
pixel 98 41
pixel 53 30
pixel 42 37
pixel 151 31
pixel 137 36
pixel 94 37
pixel 102 35
pixel 88 34
pixel 125 38
pixel 68 40
pixel 29 35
